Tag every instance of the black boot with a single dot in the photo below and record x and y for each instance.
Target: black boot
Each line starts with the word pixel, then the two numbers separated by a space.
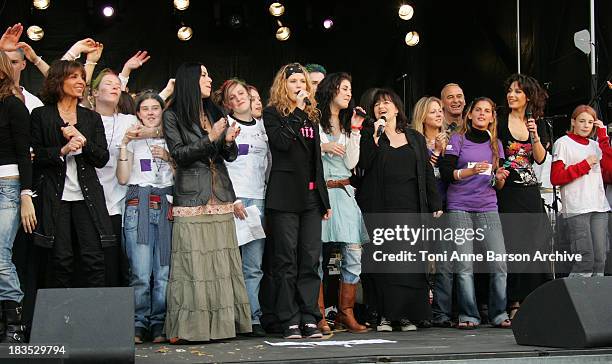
pixel 15 331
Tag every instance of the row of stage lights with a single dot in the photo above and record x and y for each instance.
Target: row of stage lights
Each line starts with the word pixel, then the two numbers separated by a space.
pixel 184 33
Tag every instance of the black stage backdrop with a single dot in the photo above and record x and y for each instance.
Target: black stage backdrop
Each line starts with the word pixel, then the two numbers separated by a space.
pixel 470 42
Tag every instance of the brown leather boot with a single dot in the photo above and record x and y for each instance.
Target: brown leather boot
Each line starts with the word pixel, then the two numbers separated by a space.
pixel 322 325
pixel 345 316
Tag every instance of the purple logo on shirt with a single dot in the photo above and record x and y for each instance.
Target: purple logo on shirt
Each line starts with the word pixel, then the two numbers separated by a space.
pixel 145 165
pixel 243 149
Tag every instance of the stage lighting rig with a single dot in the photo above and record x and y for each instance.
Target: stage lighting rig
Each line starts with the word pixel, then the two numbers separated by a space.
pixel 406 12
pixel 181 4
pixel 412 38
pixel 35 33
pixel 41 4
pixel 276 9
pixel 184 33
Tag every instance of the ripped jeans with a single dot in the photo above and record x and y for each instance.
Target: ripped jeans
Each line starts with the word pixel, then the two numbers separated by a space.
pixel 351 263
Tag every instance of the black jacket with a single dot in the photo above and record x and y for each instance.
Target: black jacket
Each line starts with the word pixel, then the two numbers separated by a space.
pixel 288 183
pixel 372 160
pixel 200 168
pixel 47 140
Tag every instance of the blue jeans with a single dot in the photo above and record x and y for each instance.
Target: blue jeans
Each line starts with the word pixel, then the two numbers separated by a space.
pixel 350 267
pixel 252 255
pixel 493 241
pixel 10 202
pixel 588 234
pixel 145 261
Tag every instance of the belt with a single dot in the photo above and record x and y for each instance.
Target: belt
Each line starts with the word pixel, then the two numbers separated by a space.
pixel 154 202
pixel 341 183
pixel 338 183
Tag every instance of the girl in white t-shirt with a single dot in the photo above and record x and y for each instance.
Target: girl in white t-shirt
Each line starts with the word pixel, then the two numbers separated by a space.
pixel 577 167
pixel 146 167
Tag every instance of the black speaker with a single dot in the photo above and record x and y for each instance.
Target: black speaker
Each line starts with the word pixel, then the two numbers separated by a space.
pixel 567 313
pixel 94 324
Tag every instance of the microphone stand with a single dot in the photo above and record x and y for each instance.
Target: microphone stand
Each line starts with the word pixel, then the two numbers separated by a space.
pixel 555 204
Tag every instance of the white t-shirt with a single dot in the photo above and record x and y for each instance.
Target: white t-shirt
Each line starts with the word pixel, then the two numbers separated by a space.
pixel 146 170
pixel 248 171
pixel 72 187
pixel 114 127
pixel 586 193
pixel 31 101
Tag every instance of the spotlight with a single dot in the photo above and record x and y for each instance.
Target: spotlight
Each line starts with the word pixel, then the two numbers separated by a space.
pixel 412 38
pixel 184 33
pixel 406 12
pixel 108 11
pixel 276 9
pixel 35 33
pixel 181 4
pixel 283 33
pixel 41 4
pixel 328 23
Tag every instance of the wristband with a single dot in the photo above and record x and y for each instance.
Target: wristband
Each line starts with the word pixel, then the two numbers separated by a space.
pixel 27 193
pixel 37 61
pixel 458 174
pixel 356 127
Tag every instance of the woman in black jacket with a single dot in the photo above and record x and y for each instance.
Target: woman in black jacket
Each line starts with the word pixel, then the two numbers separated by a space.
pixel 398 178
pixel 69 144
pixel 296 199
pixel 206 296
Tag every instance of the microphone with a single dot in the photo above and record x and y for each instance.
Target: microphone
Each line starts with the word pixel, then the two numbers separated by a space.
pixel 307 101
pixel 381 128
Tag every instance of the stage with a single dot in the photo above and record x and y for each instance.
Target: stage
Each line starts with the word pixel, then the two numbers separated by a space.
pixel 487 345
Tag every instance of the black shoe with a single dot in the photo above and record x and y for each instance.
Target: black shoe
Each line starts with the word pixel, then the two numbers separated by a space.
pixel 293 332
pixel 424 324
pixel 140 335
pixel 14 330
pixel 311 331
pixel 257 331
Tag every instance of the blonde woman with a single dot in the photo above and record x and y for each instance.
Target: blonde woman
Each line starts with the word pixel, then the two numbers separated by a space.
pixel 296 199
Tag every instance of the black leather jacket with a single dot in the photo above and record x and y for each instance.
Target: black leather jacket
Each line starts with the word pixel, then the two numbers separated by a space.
pixel 200 170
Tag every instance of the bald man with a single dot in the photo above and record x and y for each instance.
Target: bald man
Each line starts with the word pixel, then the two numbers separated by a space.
pixel 453 102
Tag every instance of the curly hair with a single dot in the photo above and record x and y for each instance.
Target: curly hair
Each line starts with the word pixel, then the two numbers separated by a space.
pixel 279 94
pixel 535 93
pixel 387 94
pixel 7 82
pixel 326 92
pixel 53 85
pixel 467 125
pixel 421 109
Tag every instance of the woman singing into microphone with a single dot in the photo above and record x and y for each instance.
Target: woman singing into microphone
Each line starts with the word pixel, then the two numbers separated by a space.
pixel 524 221
pixel 296 199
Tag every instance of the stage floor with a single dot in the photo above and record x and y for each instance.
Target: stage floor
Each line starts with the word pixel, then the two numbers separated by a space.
pixel 433 344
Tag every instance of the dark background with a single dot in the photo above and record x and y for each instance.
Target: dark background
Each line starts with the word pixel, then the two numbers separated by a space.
pixel 470 42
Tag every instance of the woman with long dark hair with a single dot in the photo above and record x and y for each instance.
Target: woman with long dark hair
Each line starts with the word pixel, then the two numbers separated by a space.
pixel 526 225
pixel 398 178
pixel 296 199
pixel 69 144
pixel 340 128
pixel 15 197
pixel 473 168
pixel 207 297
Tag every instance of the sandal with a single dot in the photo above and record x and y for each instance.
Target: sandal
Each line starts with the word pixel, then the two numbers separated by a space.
pixel 512 309
pixel 467 325
pixel 506 324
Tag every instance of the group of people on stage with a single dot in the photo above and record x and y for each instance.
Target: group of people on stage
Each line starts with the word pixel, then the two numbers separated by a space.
pixel 112 190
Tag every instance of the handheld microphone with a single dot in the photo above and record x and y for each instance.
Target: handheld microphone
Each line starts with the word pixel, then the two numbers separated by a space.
pixel 307 101
pixel 381 128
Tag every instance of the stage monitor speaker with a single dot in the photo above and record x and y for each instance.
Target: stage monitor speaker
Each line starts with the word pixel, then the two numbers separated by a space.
pixel 94 324
pixel 567 313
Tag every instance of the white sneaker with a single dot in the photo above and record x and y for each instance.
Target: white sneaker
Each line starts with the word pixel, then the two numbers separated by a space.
pixel 406 325
pixel 385 325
